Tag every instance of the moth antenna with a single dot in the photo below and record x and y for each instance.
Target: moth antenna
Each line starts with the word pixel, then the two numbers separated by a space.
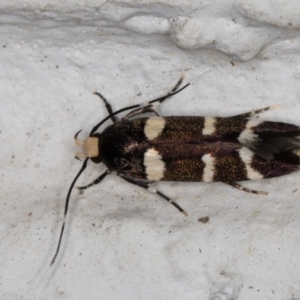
pixel 67 206
pixel 161 99
pixel 111 115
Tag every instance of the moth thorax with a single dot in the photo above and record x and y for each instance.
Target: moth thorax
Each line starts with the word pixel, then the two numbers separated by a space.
pixel 90 146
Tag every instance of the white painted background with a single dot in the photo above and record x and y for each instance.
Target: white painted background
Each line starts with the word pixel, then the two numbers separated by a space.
pixel 122 242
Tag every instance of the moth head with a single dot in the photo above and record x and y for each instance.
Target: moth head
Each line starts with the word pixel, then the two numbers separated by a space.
pixel 90 147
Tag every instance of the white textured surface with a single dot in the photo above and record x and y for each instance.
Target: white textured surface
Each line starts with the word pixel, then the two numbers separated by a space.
pixel 122 242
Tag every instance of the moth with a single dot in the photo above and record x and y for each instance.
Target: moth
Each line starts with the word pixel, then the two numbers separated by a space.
pixel 142 150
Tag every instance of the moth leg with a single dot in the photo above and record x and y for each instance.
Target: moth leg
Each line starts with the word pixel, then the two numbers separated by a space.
pixel 255 112
pixel 108 107
pixel 146 186
pixel 240 187
pixel 96 181
pixel 154 105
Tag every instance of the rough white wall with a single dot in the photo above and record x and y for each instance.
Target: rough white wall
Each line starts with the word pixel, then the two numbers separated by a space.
pixel 122 242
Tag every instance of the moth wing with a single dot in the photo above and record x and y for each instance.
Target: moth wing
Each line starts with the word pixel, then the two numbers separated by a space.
pixel 267 139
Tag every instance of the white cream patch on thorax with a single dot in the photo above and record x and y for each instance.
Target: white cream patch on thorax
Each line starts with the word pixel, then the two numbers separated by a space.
pixel 154 127
pixel 246 156
pixel 209 169
pixel 90 146
pixel 155 166
pixel 209 125
pixel 297 152
pixel 247 136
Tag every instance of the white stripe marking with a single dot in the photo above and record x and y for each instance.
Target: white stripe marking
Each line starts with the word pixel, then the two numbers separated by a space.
pixel 297 152
pixel 154 127
pixel 209 125
pixel 246 156
pixel 155 167
pixel 247 136
pixel 209 170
